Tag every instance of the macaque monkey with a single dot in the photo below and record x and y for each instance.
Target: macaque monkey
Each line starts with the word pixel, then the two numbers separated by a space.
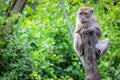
pixel 86 22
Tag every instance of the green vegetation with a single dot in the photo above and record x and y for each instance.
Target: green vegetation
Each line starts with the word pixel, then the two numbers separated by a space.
pixel 41 46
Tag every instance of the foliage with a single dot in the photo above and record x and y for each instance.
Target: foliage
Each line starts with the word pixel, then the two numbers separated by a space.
pixel 41 47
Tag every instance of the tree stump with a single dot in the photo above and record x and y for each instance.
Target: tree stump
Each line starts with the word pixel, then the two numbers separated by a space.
pixel 91 67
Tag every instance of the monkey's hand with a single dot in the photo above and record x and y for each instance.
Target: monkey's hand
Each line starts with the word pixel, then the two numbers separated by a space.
pixel 91 30
pixel 84 31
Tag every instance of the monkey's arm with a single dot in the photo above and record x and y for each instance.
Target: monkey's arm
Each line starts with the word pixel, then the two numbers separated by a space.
pixel 98 32
pixel 78 27
pixel 97 27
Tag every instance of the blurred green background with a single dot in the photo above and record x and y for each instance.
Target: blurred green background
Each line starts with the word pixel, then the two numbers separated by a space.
pixel 41 47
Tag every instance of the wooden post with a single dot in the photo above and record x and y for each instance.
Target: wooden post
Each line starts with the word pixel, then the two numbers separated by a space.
pixel 91 67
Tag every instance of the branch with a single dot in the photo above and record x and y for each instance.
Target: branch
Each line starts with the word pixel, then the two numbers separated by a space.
pixel 67 19
pixel 69 26
pixel 91 67
pixel 2 64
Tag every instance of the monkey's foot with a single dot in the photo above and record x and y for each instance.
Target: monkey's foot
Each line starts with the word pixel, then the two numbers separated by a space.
pixel 82 52
pixel 97 52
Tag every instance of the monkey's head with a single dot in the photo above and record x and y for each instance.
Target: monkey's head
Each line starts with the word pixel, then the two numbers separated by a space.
pixel 85 14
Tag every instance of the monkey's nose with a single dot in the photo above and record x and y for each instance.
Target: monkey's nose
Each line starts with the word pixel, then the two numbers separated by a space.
pixel 83 19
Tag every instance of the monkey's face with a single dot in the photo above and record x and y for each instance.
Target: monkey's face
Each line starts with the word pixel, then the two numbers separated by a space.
pixel 84 14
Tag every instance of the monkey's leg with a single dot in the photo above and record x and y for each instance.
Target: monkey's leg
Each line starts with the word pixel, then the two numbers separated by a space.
pixel 102 46
pixel 78 47
pixel 78 44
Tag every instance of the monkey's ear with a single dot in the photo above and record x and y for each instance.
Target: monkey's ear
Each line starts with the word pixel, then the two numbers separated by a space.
pixel 92 10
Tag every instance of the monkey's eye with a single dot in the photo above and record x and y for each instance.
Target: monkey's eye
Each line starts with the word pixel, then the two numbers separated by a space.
pixel 80 13
pixel 86 13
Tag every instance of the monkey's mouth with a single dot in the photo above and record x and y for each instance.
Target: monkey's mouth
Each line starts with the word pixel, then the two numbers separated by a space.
pixel 83 21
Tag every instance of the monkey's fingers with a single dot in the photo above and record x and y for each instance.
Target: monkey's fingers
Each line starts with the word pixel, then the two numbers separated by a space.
pixel 86 31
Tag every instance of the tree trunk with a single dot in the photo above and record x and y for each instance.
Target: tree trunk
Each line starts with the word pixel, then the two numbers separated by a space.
pixel 91 67
pixel 15 7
